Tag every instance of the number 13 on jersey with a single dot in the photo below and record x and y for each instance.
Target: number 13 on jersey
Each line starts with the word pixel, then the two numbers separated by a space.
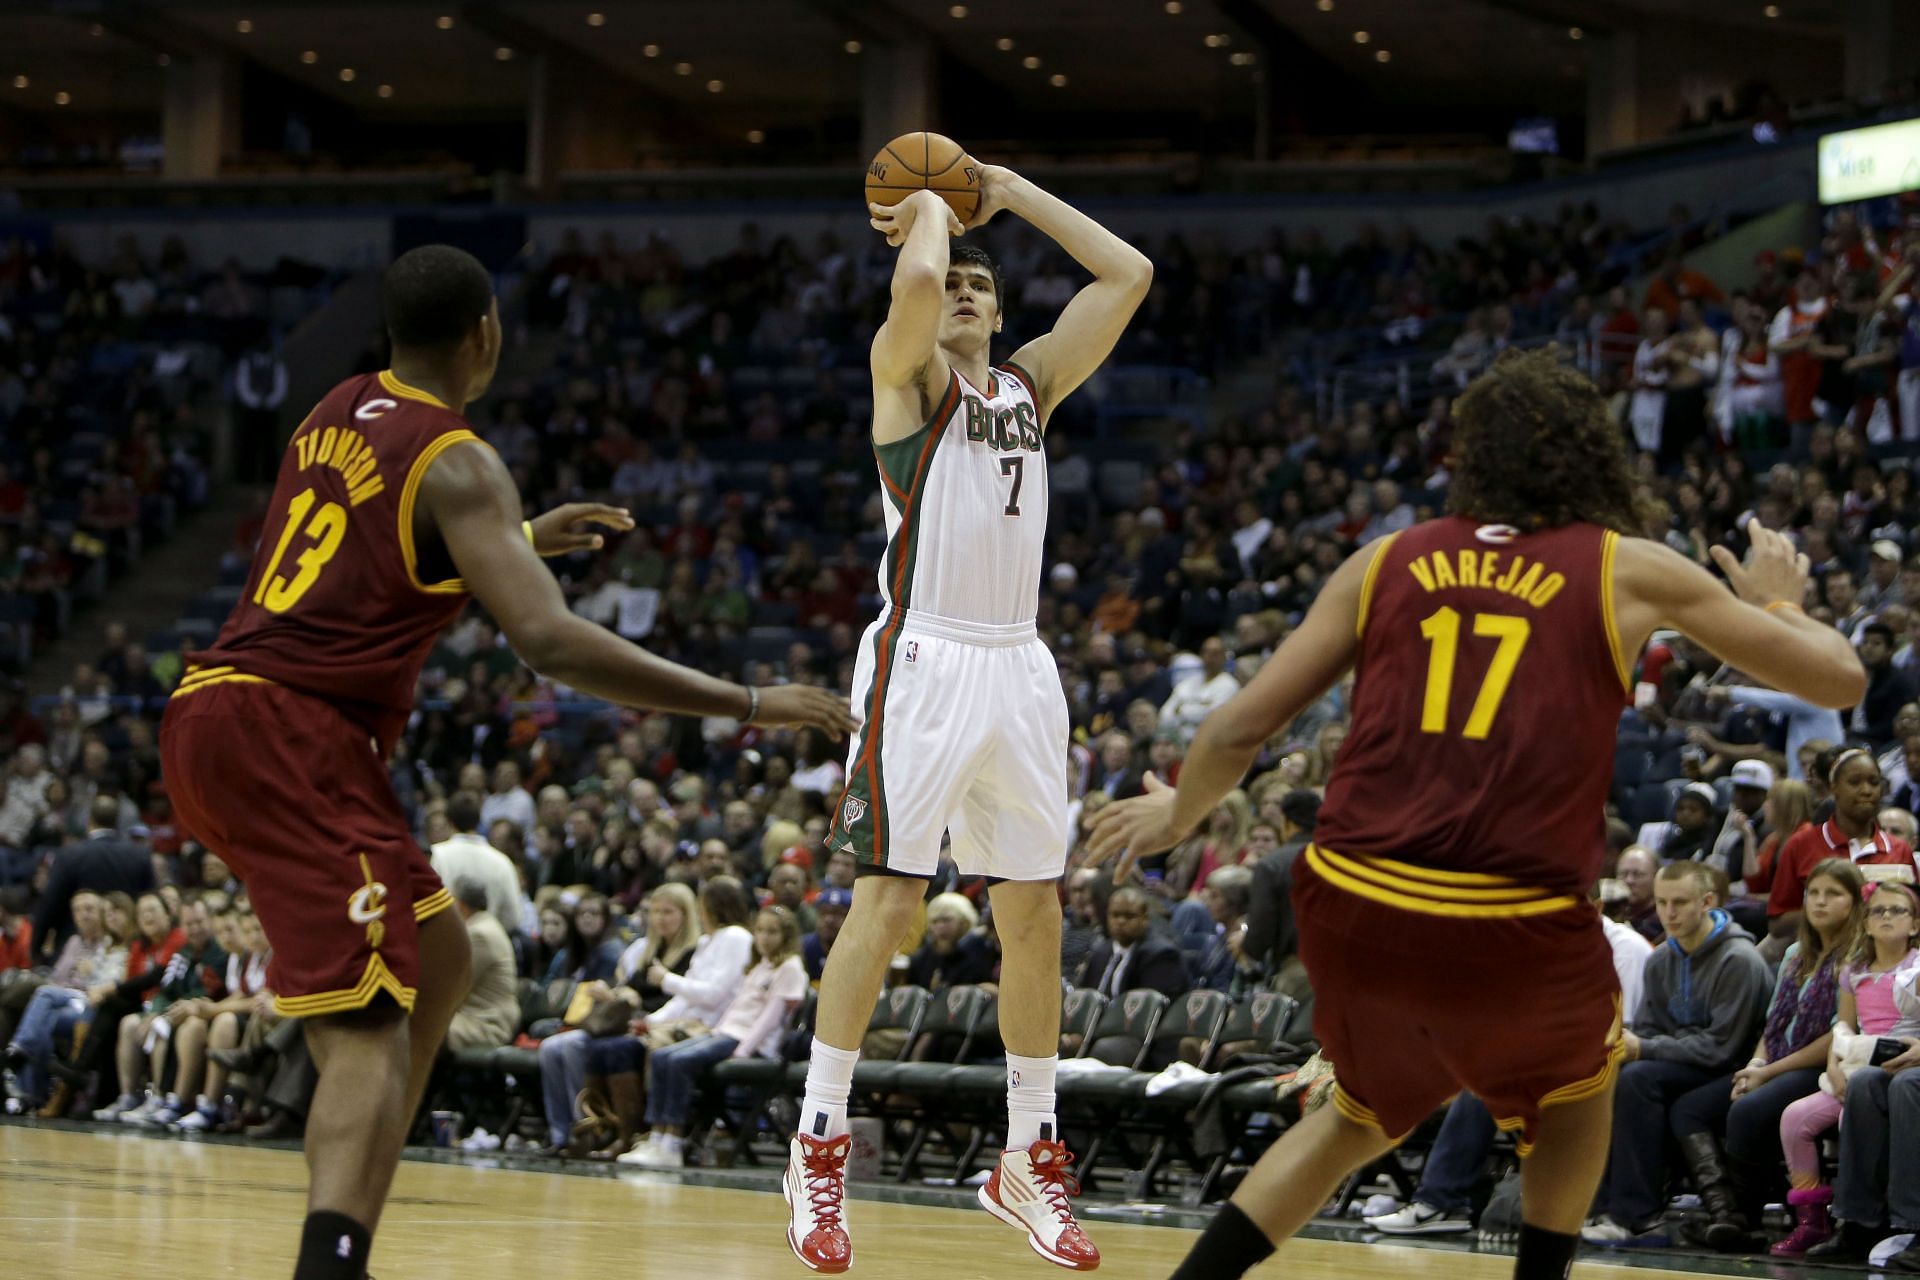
pixel 327 526
pixel 1442 632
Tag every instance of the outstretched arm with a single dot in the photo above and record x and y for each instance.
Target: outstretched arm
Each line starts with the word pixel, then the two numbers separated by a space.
pixel 1092 322
pixel 470 498
pixel 1304 667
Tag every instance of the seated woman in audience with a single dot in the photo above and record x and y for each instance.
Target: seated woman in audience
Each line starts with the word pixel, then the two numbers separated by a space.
pixel 60 1005
pixel 673 930
pixel 1785 1068
pixel 592 952
pixel 751 1027
pixel 953 955
pixel 1789 807
pixel 1887 958
pixel 552 939
pixel 218 1024
pixel 152 948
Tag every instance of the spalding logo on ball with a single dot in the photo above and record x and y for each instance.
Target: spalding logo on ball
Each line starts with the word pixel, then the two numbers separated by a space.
pixel 925 162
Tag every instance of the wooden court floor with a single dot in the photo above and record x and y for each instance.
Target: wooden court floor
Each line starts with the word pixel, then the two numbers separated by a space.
pixel 107 1206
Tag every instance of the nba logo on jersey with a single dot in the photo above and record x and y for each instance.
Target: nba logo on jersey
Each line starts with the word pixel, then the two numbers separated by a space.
pixel 1497 534
pixel 855 810
pixel 913 651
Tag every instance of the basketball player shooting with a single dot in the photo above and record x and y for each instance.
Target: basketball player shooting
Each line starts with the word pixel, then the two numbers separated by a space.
pixel 388 516
pixel 1443 908
pixel 964 724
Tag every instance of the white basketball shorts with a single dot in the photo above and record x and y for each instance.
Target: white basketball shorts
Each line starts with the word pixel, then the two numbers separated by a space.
pixel 964 730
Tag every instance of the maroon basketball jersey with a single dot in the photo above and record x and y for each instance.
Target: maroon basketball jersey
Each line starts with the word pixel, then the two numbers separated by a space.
pixel 1485 703
pixel 336 605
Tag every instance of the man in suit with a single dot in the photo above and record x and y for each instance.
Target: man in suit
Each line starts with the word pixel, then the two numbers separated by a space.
pixel 1131 957
pixel 1271 939
pixel 1906 794
pixel 103 863
pixel 492 1009
pixel 1115 774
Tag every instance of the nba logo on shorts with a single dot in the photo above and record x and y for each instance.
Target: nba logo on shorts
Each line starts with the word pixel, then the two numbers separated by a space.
pixel 913 651
pixel 855 810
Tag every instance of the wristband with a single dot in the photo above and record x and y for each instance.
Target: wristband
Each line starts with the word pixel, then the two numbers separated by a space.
pixel 1784 604
pixel 526 527
pixel 753 705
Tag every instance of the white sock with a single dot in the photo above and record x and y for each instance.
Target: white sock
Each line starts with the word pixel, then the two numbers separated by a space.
pixel 823 1112
pixel 1030 1101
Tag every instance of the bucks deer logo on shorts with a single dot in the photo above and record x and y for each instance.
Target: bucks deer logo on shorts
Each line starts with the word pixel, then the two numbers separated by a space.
pixel 367 905
pixel 855 810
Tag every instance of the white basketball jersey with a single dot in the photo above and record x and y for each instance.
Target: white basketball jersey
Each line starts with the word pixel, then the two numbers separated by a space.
pixel 966 505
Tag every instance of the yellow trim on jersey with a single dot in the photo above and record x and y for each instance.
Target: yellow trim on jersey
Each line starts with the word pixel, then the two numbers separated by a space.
pixel 1436 875
pixel 376 979
pixel 1360 1113
pixel 1609 541
pixel 410 493
pixel 232 677
pixel 1366 583
pixel 432 905
pixel 396 387
pixel 1580 1090
pixel 1374 882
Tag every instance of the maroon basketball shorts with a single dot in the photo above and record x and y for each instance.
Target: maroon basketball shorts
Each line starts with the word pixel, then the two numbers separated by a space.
pixel 1429 982
pixel 289 792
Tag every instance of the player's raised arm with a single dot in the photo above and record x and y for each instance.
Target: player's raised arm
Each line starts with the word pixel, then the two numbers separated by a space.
pixel 1757 627
pixel 919 226
pixel 1304 666
pixel 471 500
pixel 1084 335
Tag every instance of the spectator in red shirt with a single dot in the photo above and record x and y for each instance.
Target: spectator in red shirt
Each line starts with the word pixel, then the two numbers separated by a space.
pixel 16 931
pixel 1853 832
pixel 1795 331
pixel 1678 281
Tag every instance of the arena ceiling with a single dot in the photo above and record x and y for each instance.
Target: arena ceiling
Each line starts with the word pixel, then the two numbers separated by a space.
pixel 742 65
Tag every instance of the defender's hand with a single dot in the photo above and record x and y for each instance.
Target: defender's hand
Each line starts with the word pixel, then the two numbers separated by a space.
pixel 565 530
pixel 996 184
pixel 1134 828
pixel 804 704
pixel 1774 571
pixel 894 221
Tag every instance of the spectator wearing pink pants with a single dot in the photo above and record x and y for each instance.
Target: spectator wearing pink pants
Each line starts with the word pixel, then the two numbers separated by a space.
pixel 1878 999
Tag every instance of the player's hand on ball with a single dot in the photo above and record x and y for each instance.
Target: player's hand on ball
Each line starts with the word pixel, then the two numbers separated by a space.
pixel 1774 570
pixel 894 221
pixel 996 181
pixel 804 704
pixel 565 530
pixel 1133 829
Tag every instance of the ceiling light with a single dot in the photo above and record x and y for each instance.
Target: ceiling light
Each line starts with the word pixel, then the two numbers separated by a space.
pixel 1004 43
pixel 756 136
pixel 957 11
pixel 62 98
pixel 596 19
pixel 1174 7
pixel 385 91
pixel 165 60
pixel 309 57
pixel 1383 55
pixel 1575 33
pixel 852 46
pixel 652 50
pixel 444 22
pixel 1772 11
pixel 1241 59
pixel 503 54
pixel 244 26
pixel 346 75
pixel 715 86
pixel 683 68
pixel 1030 62
pixel 1057 80
pixel 1215 41
pixel 21 82
pixel 1363 37
pixel 95 29
pixel 1324 6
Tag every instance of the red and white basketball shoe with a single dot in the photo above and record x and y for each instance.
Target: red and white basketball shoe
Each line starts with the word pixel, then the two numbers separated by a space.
pixel 814 1189
pixel 1030 1190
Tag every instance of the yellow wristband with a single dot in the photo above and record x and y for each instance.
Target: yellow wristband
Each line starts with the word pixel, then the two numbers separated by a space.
pixel 1777 604
pixel 526 527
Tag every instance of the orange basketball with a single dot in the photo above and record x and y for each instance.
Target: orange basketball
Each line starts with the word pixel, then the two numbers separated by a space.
pixel 917 161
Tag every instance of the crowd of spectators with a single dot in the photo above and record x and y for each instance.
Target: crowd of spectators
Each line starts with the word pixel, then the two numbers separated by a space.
pixel 635 862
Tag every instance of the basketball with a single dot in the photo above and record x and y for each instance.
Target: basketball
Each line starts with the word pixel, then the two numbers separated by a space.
pixel 914 161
